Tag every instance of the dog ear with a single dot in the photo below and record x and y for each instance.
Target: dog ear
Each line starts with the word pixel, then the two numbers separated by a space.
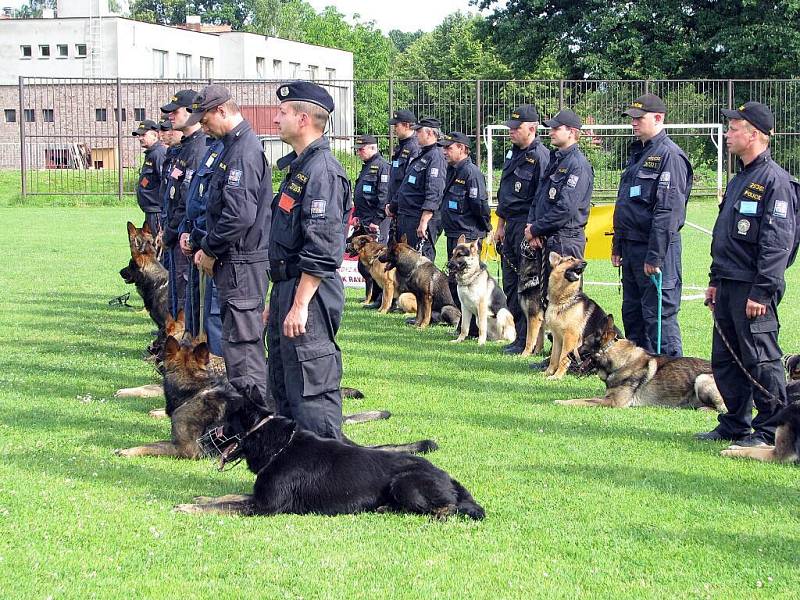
pixel 131 229
pixel 146 229
pixel 201 353
pixel 171 348
pixel 462 239
pixel 473 248
pixel 554 258
pixel 610 324
pixel 404 239
pixel 181 317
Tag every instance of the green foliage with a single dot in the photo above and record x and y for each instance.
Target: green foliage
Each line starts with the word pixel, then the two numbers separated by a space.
pixel 174 12
pixel 403 39
pixel 33 9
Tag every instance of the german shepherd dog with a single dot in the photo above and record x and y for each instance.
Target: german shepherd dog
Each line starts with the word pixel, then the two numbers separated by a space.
pixel 633 377
pixel 298 472
pixel 196 389
pixel 368 250
pixel 480 296
pixel 147 274
pixel 421 277
pixel 530 292
pixel 363 268
pixel 570 313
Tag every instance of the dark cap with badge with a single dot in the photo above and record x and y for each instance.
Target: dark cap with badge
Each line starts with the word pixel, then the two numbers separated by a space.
pixel 454 137
pixel 145 126
pixel 365 140
pixel 210 97
pixel 649 103
pixel 402 116
pixel 757 114
pixel 182 99
pixel 305 91
pixel 526 113
pixel 166 125
pixel 564 117
pixel 432 122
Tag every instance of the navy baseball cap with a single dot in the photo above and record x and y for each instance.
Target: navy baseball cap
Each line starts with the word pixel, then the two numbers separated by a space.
pixel 526 113
pixel 757 114
pixel 365 140
pixel 645 104
pixel 209 97
pixel 145 126
pixel 182 99
pixel 305 91
pixel 402 116
pixel 427 122
pixel 454 137
pixel 564 117
pixel 166 125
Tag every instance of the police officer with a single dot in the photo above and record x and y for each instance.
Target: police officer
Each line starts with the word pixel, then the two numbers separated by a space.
pixel 418 200
pixel 558 216
pixel 407 149
pixel 755 239
pixel 648 216
pixel 147 189
pixel 234 247
pixel 523 170
pixel 309 220
pixel 172 140
pixel 370 196
pixel 190 155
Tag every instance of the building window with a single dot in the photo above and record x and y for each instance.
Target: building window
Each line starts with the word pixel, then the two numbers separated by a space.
pixel 80 50
pixel 124 115
pixel 261 66
pixel 100 114
pixel 277 68
pixel 11 115
pixel 30 115
pixel 25 51
pixel 331 74
pixel 206 67
pixel 44 51
pixel 159 64
pixel 184 64
pixel 63 50
pixel 312 71
pixel 295 69
pixel 139 114
pixel 47 115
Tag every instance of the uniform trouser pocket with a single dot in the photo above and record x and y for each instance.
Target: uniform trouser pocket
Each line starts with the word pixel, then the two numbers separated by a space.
pixel 765 339
pixel 320 363
pixel 242 320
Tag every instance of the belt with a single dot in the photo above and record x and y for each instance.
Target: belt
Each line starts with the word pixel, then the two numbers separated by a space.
pixel 283 272
pixel 570 233
pixel 247 257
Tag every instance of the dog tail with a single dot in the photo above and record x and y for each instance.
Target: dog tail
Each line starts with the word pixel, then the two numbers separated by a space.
pixel 363 417
pixel 352 393
pixel 450 315
pixel 420 447
pixel 505 322
pixel 466 503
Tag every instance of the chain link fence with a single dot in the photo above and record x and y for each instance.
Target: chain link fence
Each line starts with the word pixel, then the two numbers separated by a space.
pixel 73 136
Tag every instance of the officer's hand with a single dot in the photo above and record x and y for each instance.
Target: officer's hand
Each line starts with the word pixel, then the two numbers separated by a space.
pixel 388 210
pixel 537 243
pixel 529 233
pixel 356 221
pixel 616 260
pixel 422 232
pixel 711 297
pixel 265 315
pixel 650 269
pixel 500 232
pixel 205 262
pixel 374 228
pixel 184 244
pixel 295 323
pixel 754 309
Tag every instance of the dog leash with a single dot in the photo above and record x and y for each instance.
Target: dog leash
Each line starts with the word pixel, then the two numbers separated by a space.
pixel 657 279
pixel 202 286
pixel 736 359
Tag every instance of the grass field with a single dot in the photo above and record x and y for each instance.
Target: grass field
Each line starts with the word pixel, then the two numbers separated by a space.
pixel 586 503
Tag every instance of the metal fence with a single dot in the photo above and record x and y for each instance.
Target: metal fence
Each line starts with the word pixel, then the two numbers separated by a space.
pixel 74 135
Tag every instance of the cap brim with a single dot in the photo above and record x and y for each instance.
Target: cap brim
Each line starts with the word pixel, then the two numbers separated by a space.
pixel 634 112
pixel 394 121
pixel 445 143
pixel 168 108
pixel 416 126
pixel 552 123
pixel 513 123
pixel 194 118
pixel 732 114
pixel 139 131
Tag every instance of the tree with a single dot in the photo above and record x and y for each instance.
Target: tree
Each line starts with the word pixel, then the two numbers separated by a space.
pixel 403 39
pixel 174 12
pixel 33 9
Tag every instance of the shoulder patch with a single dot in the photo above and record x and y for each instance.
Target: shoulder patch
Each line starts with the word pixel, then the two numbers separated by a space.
pixel 318 209
pixel 652 162
pixel 384 178
pixel 473 192
pixel 781 208
pixel 563 170
pixel 234 177
pixel 572 181
pixel 301 177
pixel 664 179
pixel 189 173
pixel 434 172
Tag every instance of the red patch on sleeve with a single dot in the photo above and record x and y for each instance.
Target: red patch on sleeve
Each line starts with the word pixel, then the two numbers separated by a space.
pixel 145 182
pixel 286 202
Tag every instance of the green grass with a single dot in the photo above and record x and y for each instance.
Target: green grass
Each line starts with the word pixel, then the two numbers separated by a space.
pixel 580 502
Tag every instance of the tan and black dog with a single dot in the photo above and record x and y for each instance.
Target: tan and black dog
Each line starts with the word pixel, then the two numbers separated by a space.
pixel 421 277
pixel 480 296
pixel 369 251
pixel 634 377
pixel 530 293
pixel 147 274
pixel 787 439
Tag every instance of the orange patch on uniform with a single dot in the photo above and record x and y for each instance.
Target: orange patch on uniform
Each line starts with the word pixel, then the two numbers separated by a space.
pixel 286 202
pixel 145 181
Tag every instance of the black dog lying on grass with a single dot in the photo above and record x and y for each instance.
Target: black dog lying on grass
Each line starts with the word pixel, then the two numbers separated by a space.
pixel 298 472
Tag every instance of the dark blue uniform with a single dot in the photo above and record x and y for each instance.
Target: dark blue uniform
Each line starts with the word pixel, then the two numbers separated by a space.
pixel 754 240
pixel 465 205
pixel 371 192
pixel 522 175
pixel 309 222
pixel 421 190
pixel 648 216
pixel 195 225
pixel 148 188
pixel 406 151
pixel 190 153
pixel 561 209
pixel 237 235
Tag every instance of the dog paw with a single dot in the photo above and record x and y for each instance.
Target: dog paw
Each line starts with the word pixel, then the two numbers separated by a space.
pixel 481 342
pixel 555 377
pixel 158 413
pixel 731 452
pixel 201 500
pixel 443 512
pixel 123 452
pixel 458 340
pixel 562 402
pixel 188 509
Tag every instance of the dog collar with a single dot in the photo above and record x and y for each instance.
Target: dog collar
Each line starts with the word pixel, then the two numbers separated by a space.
pixel 608 346
pixel 278 453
